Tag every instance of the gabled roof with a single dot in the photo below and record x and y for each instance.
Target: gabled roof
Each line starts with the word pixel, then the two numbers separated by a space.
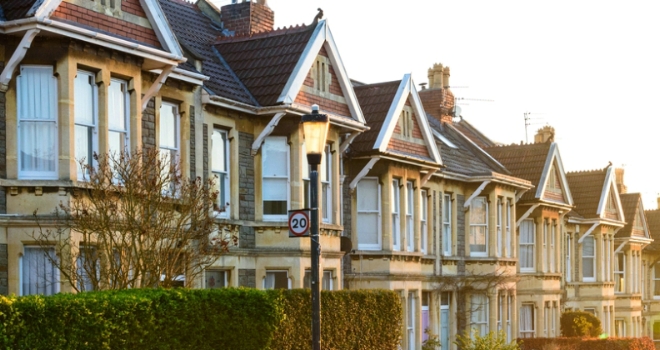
pixel 591 190
pixel 533 162
pixel 653 221
pixel 473 133
pixel 273 65
pixel 383 104
pixel 632 204
pixel 459 154
pixel 196 32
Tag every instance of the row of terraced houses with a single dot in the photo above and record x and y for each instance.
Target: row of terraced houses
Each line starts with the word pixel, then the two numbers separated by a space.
pixel 470 233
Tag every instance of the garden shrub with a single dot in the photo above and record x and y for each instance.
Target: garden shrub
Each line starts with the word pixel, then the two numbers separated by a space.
pixel 575 343
pixel 201 319
pixel 579 324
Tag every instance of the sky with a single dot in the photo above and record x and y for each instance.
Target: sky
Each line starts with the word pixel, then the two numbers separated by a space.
pixel 590 69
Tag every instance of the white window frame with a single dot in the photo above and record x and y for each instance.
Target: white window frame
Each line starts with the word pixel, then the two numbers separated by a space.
pixel 479 305
pixel 544 251
pixel 619 273
pixel 526 332
pixel 619 327
pixel 53 286
pixel 423 220
pixel 276 271
pixel 509 241
pixel 327 282
pixel 92 142
pixel 282 140
pixel 377 211
pixel 552 252
pixel 125 96
pixel 326 186
pixel 527 247
pixel 509 313
pixel 223 202
pixel 175 150
pixel 592 257
pixel 396 215
pixel 306 171
pixel 500 239
pixel 446 225
pixel 411 320
pixel 500 312
pixel 225 278
pixel 410 212
pixel 569 251
pixel 28 113
pixel 474 226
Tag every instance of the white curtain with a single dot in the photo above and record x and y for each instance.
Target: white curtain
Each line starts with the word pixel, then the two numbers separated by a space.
pixel 270 281
pixel 39 274
pixel 526 321
pixel 368 208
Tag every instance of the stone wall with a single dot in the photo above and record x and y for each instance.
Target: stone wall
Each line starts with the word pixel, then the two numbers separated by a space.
pixel 3 148
pixel 247 278
pixel 246 193
pixel 4 270
pixel 149 125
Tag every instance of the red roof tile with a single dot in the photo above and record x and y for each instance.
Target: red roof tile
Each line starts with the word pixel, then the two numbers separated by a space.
pixel 586 188
pixel 265 61
pixel 17 9
pixel 473 134
pixel 524 161
pixel 375 101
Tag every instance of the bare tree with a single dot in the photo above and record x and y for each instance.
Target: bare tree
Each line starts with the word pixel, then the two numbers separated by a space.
pixel 135 221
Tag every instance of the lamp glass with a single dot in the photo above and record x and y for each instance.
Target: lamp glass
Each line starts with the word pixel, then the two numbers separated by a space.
pixel 315 135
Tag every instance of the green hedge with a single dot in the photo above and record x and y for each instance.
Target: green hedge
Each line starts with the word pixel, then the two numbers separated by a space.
pixel 579 324
pixel 199 319
pixel 587 344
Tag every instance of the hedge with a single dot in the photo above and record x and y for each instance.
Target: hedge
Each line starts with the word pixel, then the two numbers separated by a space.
pixel 199 319
pixel 579 324
pixel 574 343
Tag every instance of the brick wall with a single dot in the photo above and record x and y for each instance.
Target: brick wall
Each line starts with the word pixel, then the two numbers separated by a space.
pixel 408 147
pixel 193 158
pixel 133 7
pixel 247 278
pixel 307 99
pixel 438 103
pixel 246 177
pixel 247 18
pixel 149 125
pixel 73 13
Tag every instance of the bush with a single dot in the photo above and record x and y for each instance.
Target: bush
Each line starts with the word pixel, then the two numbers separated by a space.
pixel 199 319
pixel 587 344
pixel 490 341
pixel 579 324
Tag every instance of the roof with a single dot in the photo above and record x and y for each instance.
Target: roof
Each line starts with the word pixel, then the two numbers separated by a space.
pixel 587 188
pixel 375 101
pixel 473 134
pixel 197 32
pixel 264 62
pixel 17 9
pixel 631 202
pixel 525 161
pixel 464 158
pixel 653 222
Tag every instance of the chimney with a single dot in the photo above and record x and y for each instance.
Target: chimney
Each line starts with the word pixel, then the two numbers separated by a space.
pixel 445 77
pixel 545 134
pixel 438 101
pixel 435 76
pixel 618 173
pixel 658 199
pixel 247 17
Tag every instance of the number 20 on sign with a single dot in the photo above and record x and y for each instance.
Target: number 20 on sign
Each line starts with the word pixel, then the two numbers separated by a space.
pixel 299 223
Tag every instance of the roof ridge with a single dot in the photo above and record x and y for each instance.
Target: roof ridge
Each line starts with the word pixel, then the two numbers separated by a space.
pixel 264 34
pixel 377 84
pixel 585 172
pixel 185 2
pixel 512 145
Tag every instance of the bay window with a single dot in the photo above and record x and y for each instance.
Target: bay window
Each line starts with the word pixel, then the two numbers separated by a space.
pixel 220 167
pixel 479 227
pixel 368 214
pixel 275 177
pixel 36 99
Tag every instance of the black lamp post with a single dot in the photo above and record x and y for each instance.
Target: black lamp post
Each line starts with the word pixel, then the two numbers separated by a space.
pixel 315 130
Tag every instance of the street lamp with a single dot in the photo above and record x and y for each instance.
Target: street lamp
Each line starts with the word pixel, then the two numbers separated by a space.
pixel 315 130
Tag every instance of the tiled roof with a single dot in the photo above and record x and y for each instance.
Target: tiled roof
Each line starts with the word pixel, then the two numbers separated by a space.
pixel 473 133
pixel 17 9
pixel 375 101
pixel 524 161
pixel 465 159
pixel 196 32
pixel 653 222
pixel 586 188
pixel 265 61
pixel 630 203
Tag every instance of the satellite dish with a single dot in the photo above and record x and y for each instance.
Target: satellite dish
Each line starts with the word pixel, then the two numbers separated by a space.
pixel 456 113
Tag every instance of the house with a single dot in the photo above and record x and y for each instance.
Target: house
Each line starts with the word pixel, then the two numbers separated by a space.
pixel 651 278
pixel 539 225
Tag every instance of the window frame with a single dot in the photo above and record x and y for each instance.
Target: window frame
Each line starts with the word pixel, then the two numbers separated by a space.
pixel 284 142
pixel 396 215
pixel 530 246
pixel 54 285
pixel 473 225
pixel 411 319
pixel 275 282
pixel 174 151
pixel 592 257
pixel 447 224
pixel 377 211
pixel 528 333
pixel 21 118
pixel 326 186
pixel 619 273
pixel 423 221
pixel 225 276
pixel 223 205
pixel 499 223
pixel 481 323
pixel 93 127
pixel 410 213
pixel 126 110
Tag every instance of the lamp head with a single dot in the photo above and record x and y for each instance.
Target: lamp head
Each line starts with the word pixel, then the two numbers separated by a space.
pixel 315 130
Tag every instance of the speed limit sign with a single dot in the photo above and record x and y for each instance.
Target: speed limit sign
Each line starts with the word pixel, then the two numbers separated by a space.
pixel 299 223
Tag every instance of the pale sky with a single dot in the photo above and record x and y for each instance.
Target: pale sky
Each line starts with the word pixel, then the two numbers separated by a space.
pixel 590 69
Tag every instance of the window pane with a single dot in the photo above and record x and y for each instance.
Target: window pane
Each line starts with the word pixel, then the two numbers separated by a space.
pixel 216 279
pixel 84 98
pixel 83 136
pixel 116 142
pixel 219 157
pixel 40 276
pixel 478 239
pixel 367 226
pixel 277 280
pixel 478 211
pixel 168 128
pixel 117 105
pixel 367 194
pixel 327 280
pixel 38 146
pixel 275 189
pixel 274 157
